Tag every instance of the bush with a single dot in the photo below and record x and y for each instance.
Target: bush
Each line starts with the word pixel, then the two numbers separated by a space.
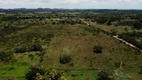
pixel 64 59
pixel 26 48
pixel 31 56
pixel 44 74
pixel 104 76
pixel 5 56
pixel 113 31
pixel 20 50
pixel 53 23
pixel 97 49
pixel 137 25
pixel 36 47
pixel 11 68
pixel 140 72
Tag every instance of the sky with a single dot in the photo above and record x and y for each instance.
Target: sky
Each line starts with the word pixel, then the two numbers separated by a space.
pixel 72 4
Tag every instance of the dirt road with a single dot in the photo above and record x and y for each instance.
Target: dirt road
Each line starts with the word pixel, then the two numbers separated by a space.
pixel 116 37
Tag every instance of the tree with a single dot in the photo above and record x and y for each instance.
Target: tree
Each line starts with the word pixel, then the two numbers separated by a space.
pixel 5 56
pixel 97 49
pixel 65 59
pixel 20 50
pixel 103 76
pixel 137 25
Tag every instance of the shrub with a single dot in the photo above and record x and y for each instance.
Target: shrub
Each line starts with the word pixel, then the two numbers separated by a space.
pixel 113 31
pixel 71 64
pixel 97 49
pixel 44 74
pixel 126 29
pixel 53 23
pixel 11 68
pixel 137 25
pixel 26 48
pixel 31 56
pixel 140 72
pixel 20 50
pixel 64 59
pixel 104 76
pixel 5 56
pixel 36 47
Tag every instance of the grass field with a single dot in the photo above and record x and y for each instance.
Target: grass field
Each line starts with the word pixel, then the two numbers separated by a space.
pixel 79 45
pixel 15 70
pixel 77 41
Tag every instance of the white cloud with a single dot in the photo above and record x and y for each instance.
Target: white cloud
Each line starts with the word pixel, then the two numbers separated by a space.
pixel 74 1
pixel 71 1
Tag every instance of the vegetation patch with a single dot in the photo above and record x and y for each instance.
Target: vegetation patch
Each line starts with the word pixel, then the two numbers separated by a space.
pixel 20 50
pixel 64 59
pixel 104 76
pixel 28 48
pixel 5 56
pixel 133 37
pixel 36 47
pixel 44 74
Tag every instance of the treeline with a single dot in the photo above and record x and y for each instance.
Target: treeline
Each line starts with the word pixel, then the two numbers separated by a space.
pixel 133 20
pixel 67 10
